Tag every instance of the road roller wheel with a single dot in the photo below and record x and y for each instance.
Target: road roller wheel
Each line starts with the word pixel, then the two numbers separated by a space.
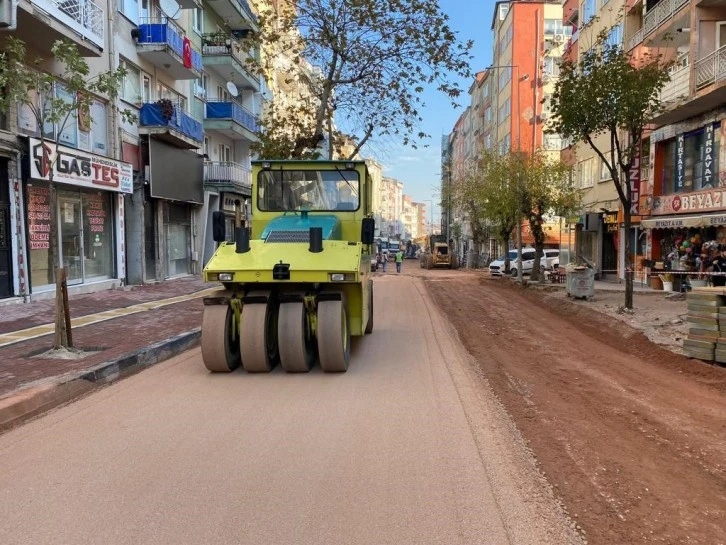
pixel 220 344
pixel 258 336
pixel 369 325
pixel 333 336
pixel 294 338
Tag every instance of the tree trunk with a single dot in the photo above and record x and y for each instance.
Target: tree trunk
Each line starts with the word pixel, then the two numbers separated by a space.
pixel 628 260
pixel 62 325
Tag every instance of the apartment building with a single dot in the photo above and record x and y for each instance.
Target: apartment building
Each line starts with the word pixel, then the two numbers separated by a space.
pixel 683 181
pixel 391 207
pixel 595 231
pixel 90 203
pixel 187 154
pixel 529 40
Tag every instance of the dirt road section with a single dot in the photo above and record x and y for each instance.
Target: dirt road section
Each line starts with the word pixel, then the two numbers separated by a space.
pixel 632 436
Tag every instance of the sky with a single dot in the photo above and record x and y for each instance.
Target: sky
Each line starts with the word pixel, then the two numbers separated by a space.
pixel 419 169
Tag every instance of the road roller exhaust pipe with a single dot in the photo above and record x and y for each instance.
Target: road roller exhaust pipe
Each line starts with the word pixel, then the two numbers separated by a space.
pixel 316 240
pixel 242 240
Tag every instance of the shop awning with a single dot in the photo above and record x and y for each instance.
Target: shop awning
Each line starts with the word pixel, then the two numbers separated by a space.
pixel 678 222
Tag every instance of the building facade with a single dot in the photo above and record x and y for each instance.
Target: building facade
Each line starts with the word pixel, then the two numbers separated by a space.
pixel 682 181
pixel 134 199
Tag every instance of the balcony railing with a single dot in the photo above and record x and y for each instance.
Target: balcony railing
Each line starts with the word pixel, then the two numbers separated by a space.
pixel 677 87
pixel 226 173
pixel 157 114
pixel 636 39
pixel 83 16
pixel 221 43
pixel 226 109
pixel 164 31
pixel 711 68
pixel 663 10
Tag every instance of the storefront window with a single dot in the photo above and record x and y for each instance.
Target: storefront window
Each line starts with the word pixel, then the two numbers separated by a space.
pixel 41 269
pixel 85 233
pixel 178 240
pixel 98 240
pixel 690 161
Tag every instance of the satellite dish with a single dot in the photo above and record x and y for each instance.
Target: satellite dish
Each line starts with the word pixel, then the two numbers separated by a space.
pixel 232 88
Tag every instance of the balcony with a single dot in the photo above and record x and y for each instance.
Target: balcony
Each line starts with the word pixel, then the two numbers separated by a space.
pixel 223 54
pixel 711 68
pixel 168 121
pixel 678 86
pixel 42 22
pixel 228 176
pixel 231 119
pixel 236 14
pixel 663 11
pixel 636 39
pixel 161 42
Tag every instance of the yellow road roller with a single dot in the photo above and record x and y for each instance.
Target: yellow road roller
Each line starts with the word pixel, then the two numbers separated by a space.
pixel 296 271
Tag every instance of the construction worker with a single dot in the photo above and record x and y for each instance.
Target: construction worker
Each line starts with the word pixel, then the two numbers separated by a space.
pixel 399 260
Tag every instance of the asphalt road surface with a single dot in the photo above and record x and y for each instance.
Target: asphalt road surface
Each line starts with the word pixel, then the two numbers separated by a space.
pixel 408 447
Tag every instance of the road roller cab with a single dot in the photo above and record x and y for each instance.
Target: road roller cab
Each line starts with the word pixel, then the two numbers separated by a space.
pixel 297 276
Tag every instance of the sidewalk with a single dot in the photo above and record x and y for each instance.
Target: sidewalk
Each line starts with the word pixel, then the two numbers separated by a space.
pixel 123 329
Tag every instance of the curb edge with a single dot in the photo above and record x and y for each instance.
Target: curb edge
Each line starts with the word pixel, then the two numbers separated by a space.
pixel 40 397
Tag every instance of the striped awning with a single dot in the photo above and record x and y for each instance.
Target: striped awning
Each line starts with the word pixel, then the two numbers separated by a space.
pixel 678 222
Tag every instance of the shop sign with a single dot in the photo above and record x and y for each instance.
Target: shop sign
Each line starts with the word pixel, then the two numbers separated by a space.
pixel 708 176
pixel 228 201
pixel 680 162
pixel 610 219
pixel 80 168
pixel 698 201
pixel 38 217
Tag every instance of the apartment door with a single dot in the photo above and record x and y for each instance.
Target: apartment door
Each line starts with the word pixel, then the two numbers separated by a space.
pixel 6 273
pixel 71 231
pixel 225 153
pixel 720 34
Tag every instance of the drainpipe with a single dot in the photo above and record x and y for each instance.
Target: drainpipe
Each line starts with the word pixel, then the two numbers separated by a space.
pixel 22 252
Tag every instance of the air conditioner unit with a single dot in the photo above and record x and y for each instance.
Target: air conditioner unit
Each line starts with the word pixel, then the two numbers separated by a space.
pixel 8 15
pixel 559 38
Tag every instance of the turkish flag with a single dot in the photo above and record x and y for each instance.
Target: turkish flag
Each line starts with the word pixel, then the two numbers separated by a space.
pixel 187 53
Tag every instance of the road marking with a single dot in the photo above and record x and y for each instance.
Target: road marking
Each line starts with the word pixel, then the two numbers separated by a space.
pixel 13 337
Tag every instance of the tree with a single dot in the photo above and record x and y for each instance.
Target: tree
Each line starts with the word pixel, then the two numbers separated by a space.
pixel 485 192
pixel 608 92
pixel 372 59
pixel 546 190
pixel 55 99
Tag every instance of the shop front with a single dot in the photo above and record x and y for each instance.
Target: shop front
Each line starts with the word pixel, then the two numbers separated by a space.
pixel 88 216
pixel 176 194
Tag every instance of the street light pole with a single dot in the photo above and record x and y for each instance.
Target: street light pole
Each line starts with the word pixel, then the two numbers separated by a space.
pixel 520 277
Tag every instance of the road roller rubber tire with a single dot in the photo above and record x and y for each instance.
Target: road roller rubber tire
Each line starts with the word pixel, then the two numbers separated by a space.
pixel 294 338
pixel 220 352
pixel 333 336
pixel 258 337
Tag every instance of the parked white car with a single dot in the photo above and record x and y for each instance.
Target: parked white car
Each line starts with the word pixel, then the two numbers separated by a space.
pixel 550 260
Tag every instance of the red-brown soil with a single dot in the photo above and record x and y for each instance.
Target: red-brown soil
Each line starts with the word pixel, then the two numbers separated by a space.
pixel 632 436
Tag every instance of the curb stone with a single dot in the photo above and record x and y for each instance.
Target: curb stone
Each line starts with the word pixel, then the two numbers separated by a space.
pixel 37 398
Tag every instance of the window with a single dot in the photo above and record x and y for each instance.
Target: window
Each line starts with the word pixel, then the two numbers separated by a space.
pixel 505 75
pixel 225 153
pixel 488 114
pixel 552 142
pixel 604 172
pixel 615 36
pixel 129 9
pixel 145 88
pixel 586 174
pixel 556 26
pixel 588 11
pixel 197 20
pixel 131 86
pixel 503 10
pixel 505 143
pixel 551 67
